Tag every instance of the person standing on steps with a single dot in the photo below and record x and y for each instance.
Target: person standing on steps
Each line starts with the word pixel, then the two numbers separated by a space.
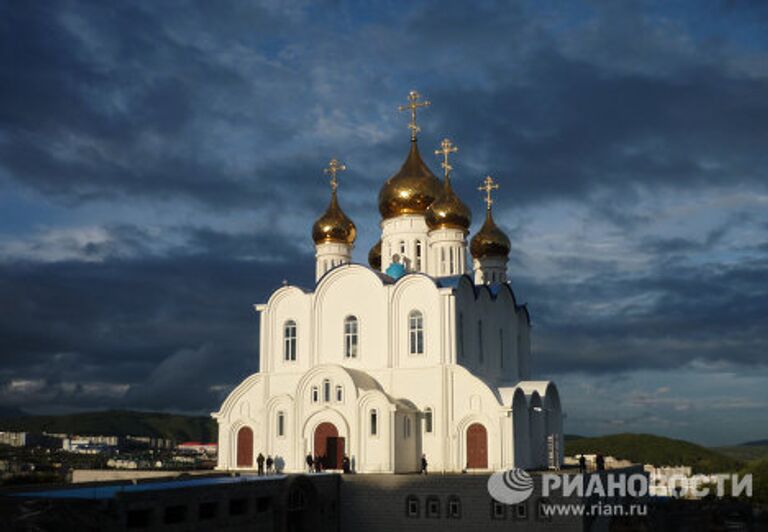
pixel 260 463
pixel 424 464
pixel 310 462
pixel 269 464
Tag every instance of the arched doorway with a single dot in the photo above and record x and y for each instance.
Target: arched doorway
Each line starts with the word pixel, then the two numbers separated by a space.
pixel 328 445
pixel 245 447
pixel 477 447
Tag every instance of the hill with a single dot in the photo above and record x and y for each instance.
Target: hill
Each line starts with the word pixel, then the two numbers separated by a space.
pixel 745 452
pixel 120 423
pixel 656 450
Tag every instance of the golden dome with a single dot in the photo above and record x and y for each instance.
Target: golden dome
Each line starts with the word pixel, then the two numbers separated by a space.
pixel 334 225
pixel 448 210
pixel 489 241
pixel 374 256
pixel 411 190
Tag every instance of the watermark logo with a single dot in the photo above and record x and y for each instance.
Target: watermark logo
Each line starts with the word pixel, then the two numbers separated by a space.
pixel 510 487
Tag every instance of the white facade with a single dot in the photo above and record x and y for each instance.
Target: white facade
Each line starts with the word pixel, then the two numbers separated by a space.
pixel 383 370
pixel 467 364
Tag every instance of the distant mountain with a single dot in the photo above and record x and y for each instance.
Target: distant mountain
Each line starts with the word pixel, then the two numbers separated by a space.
pixel 120 423
pixel 759 443
pixel 569 437
pixel 656 450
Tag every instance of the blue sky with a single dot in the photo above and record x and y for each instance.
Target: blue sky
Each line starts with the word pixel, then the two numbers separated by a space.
pixel 161 166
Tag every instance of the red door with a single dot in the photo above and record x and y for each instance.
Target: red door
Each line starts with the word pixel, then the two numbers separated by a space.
pixel 477 447
pixel 245 447
pixel 322 433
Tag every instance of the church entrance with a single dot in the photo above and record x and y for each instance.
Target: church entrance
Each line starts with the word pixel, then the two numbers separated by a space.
pixel 329 446
pixel 477 447
pixel 245 447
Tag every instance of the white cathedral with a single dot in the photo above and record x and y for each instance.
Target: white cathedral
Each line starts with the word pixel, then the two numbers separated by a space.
pixel 415 355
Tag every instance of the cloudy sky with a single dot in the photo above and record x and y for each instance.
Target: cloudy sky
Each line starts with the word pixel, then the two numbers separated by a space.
pixel 161 166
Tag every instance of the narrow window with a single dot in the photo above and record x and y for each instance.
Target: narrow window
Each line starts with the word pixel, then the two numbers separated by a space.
pixel 498 510
pixel 450 261
pixel 315 394
pixel 416 333
pixel 412 506
pixel 501 348
pixel 339 394
pixel 374 422
pixel 442 260
pixel 289 340
pixel 521 511
pixel 433 507
pixel 402 248
pixel 461 335
pixel 326 390
pixel 428 420
pixel 480 340
pixel 406 427
pixel 350 337
pixel 418 255
pixel 454 507
pixel 281 423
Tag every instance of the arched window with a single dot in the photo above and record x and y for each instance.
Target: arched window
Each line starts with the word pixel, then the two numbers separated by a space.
pixel 289 340
pixel 326 391
pixel 480 353
pixel 428 420
pixel 416 333
pixel 451 261
pixel 406 427
pixel 350 337
pixel 281 423
pixel 339 393
pixel 315 394
pixel 374 417
pixel 402 248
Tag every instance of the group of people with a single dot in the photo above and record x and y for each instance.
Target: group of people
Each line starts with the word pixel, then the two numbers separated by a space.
pixel 318 463
pixel 599 463
pixel 269 462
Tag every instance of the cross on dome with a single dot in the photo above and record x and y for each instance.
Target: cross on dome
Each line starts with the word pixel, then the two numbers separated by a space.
pixel 446 148
pixel 334 166
pixel 489 185
pixel 412 105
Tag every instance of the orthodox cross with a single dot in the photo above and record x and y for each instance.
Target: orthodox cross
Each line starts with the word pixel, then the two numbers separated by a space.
pixel 412 105
pixel 334 166
pixel 489 185
pixel 446 148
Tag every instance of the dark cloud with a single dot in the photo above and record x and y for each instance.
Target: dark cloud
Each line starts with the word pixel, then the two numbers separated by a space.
pixel 137 321
pixel 662 320
pixel 211 123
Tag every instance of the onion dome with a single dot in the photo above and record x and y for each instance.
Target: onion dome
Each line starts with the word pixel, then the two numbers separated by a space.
pixel 374 256
pixel 411 190
pixel 489 241
pixel 448 210
pixel 334 225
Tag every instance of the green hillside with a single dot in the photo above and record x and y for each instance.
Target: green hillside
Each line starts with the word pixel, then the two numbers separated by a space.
pixel 656 450
pixel 745 452
pixel 759 471
pixel 120 423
